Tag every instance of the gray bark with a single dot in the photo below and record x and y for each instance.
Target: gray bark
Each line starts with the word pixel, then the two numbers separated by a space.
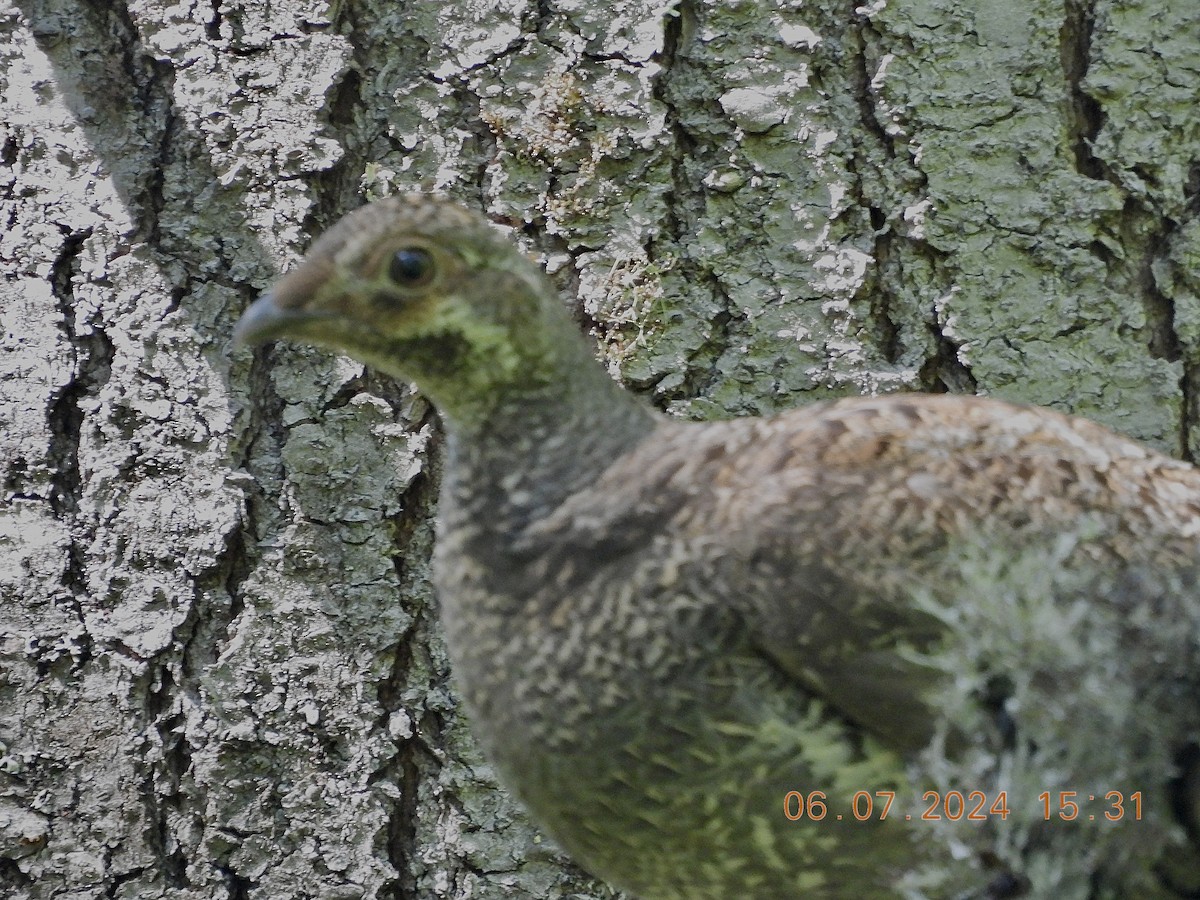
pixel 220 670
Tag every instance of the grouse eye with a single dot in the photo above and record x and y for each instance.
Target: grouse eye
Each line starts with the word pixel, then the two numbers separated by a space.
pixel 411 267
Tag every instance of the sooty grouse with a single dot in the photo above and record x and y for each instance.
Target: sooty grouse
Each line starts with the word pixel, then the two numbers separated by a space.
pixel 909 646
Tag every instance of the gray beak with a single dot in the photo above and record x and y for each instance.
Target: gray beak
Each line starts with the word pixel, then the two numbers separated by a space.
pixel 264 321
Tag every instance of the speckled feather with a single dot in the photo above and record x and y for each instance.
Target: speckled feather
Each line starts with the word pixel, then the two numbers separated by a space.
pixel 661 628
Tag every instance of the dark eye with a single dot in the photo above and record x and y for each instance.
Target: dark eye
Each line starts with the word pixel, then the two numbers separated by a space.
pixel 411 267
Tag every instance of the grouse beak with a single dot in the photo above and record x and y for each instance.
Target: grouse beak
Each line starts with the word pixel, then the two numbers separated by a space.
pixel 285 310
pixel 264 321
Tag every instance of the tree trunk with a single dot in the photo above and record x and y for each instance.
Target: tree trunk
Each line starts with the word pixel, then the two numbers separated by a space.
pixel 221 669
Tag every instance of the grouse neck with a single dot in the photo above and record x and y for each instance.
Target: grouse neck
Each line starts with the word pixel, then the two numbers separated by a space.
pixel 538 446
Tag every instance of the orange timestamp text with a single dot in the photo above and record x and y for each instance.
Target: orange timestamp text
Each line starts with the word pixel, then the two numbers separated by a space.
pixel 969 806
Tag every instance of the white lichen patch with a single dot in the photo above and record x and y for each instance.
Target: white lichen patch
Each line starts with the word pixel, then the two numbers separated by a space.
pixel 798 36
pixel 914 216
pixel 754 111
pixel 626 298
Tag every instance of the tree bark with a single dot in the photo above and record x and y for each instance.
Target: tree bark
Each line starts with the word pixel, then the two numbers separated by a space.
pixel 221 669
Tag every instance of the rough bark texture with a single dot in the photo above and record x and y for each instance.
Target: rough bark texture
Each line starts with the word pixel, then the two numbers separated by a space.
pixel 220 671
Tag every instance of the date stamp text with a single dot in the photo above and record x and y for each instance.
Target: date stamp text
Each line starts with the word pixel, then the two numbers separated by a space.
pixel 968 806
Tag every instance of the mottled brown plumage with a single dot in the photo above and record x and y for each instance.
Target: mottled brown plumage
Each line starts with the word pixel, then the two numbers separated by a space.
pixel 661 628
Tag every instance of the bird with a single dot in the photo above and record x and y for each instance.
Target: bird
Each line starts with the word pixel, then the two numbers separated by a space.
pixel 911 645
